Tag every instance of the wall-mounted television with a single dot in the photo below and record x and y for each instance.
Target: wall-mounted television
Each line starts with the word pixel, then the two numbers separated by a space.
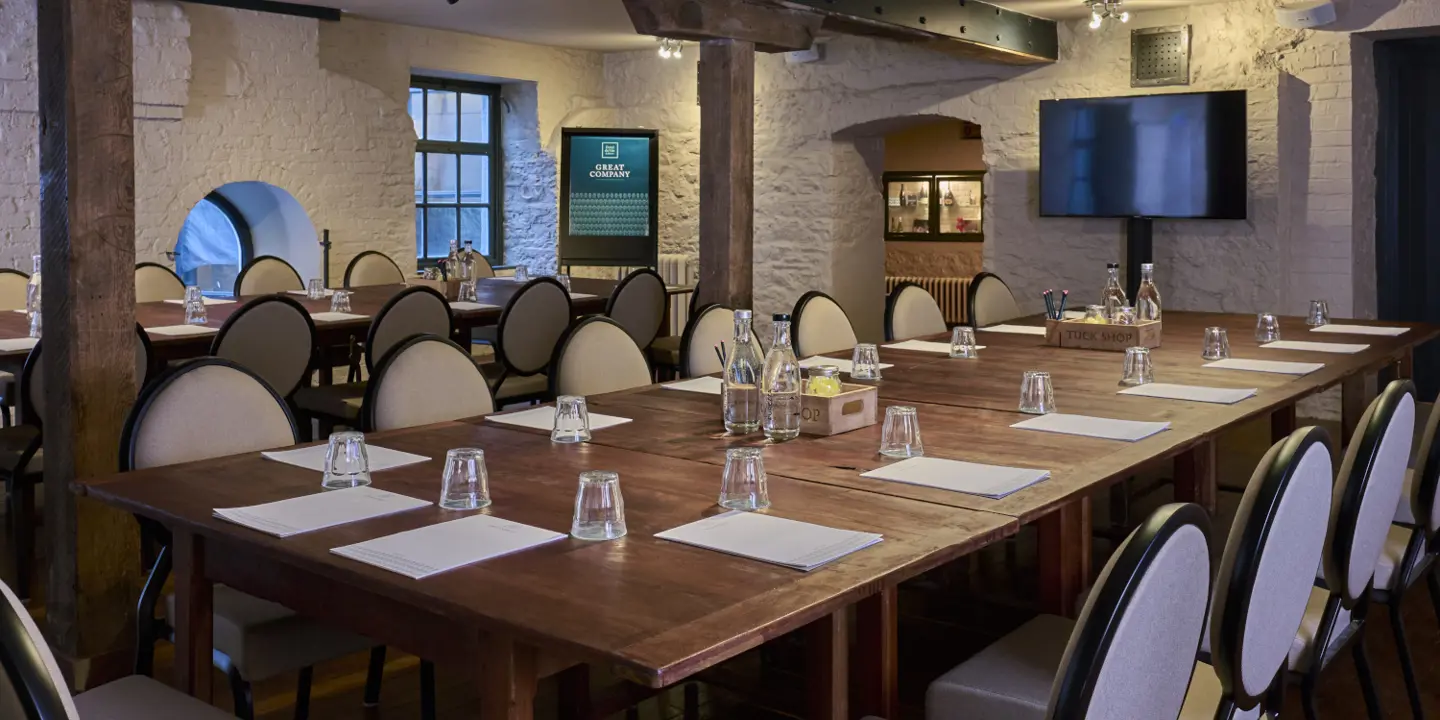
pixel 1152 156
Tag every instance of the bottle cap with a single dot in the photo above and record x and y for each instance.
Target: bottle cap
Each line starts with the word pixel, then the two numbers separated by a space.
pixel 743 315
pixel 1112 266
pixel 780 317
pixel 1147 266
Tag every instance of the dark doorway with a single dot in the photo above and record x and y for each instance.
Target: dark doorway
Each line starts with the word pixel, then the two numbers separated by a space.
pixel 1407 202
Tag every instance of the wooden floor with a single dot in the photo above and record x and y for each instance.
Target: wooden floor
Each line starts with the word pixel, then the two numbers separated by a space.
pixel 946 616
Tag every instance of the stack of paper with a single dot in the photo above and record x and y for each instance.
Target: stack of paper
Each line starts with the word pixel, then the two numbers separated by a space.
pixel 1015 329
pixel 335 316
pixel 1074 314
pixel 707 385
pixel 580 296
pixel 1271 366
pixel 208 301
pixel 435 549
pixel 328 292
pixel 925 346
pixel 1342 348
pixel 1196 393
pixel 467 305
pixel 13 344
pixel 317 512
pixel 182 330
pixel 844 365
pixel 543 418
pixel 1361 330
pixel 771 539
pixel 313 457
pixel 1105 428
pixel 991 481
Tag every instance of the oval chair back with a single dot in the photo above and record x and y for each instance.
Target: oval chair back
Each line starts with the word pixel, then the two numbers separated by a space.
pixel 1422 481
pixel 32 377
pixel 991 301
pixel 483 269
pixel 268 274
pixel 531 326
pixel 274 337
pixel 206 408
pixel 155 282
pixel 373 267
pixel 14 289
pixel 638 305
pixel 423 380
pixel 597 356
pixel 31 684
pixel 710 326
pixel 819 325
pixel 1265 576
pixel 1116 665
pixel 413 311
pixel 911 312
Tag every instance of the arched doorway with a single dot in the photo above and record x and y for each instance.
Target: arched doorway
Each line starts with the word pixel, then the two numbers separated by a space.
pixel 240 221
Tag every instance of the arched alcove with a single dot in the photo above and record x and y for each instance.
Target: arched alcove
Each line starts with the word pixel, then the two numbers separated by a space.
pixel 239 221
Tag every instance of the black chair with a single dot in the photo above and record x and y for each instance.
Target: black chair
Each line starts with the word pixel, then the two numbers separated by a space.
pixel 530 328
pixel 267 274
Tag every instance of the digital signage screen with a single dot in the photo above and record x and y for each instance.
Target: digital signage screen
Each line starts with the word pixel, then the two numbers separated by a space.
pixel 608 197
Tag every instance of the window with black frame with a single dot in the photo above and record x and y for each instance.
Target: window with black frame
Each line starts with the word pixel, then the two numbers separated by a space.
pixel 457 167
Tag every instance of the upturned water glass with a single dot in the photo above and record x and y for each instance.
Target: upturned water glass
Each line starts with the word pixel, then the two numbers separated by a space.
pixel 962 343
pixel 316 289
pixel 1267 328
pixel 564 281
pixel 465 484
pixel 900 438
pixel 1319 313
pixel 522 273
pixel 865 362
pixel 340 301
pixel 347 464
pixel 599 507
pixel 744 486
pixel 1138 368
pixel 195 313
pixel 572 420
pixel 1217 344
pixel 467 293
pixel 1037 393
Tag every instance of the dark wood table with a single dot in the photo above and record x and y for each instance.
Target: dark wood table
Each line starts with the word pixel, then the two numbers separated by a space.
pixel 658 611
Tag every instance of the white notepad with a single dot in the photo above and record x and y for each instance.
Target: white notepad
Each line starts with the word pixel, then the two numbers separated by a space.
pixel 991 481
pixel 1341 348
pixel 13 344
pixel 1086 426
pixel 843 364
pixel 467 305
pixel 791 543
pixel 1196 393
pixel 306 293
pixel 182 330
pixel 707 385
pixel 319 511
pixel 1281 367
pixel 335 316
pixel 427 551
pixel 208 301
pixel 313 457
pixel 580 296
pixel 543 418
pixel 1361 330
pixel 1015 329
pixel 925 346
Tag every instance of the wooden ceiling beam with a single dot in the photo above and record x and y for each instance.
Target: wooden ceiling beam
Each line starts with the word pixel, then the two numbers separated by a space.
pixel 770 26
pixel 970 29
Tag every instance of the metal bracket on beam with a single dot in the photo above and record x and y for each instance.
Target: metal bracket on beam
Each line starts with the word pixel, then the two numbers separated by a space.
pixel 276 8
pixel 968 28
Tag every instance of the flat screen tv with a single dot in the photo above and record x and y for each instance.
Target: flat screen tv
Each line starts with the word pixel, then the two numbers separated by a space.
pixel 1156 156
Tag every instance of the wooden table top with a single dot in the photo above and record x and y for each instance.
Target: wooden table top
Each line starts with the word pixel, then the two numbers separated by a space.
pixel 661 610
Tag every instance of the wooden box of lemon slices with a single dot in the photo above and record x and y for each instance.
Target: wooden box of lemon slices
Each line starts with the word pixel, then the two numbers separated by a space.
pixel 855 407
pixel 1102 336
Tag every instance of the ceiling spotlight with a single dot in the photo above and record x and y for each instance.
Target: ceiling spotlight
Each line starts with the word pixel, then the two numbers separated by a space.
pixel 1102 10
pixel 669 48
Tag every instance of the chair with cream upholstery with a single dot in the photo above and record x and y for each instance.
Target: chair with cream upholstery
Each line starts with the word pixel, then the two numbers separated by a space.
pixel 426 379
pixel 1367 491
pixel 32 685
pixel 210 408
pixel 482 269
pixel 530 327
pixel 820 325
pixel 991 301
pixel 155 282
pixel 911 312
pixel 1110 662
pixel 708 327
pixel 14 288
pixel 1264 580
pixel 271 336
pixel 597 356
pixel 373 267
pixel 268 274
pixel 638 305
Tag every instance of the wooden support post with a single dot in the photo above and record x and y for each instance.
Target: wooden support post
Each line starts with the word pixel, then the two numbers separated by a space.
pixel 1195 476
pixel 727 172
pixel 194 620
pixel 876 660
pixel 87 228
pixel 827 681
pixel 1064 556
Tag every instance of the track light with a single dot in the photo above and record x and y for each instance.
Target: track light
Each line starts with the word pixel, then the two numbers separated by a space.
pixel 670 48
pixel 1101 10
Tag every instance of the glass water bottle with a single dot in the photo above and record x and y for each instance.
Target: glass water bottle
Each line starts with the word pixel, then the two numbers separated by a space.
pixel 780 386
pixel 742 379
pixel 1113 296
pixel 1147 298
pixel 32 289
pixel 452 261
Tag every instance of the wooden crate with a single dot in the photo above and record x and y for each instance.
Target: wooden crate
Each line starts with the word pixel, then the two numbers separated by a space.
pixel 1115 338
pixel 855 407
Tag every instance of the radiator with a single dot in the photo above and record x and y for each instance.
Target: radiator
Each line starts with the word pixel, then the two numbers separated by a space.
pixel 950 292
pixel 677 270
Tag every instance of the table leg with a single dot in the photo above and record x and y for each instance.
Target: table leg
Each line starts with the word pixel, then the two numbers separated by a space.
pixel 876 659
pixel 1356 392
pixel 1064 556
pixel 507 680
pixel 1282 423
pixel 1195 473
pixel 1405 365
pixel 827 664
pixel 194 616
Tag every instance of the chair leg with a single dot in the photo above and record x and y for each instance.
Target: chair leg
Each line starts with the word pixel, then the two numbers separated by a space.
pixel 692 702
pixel 1308 687
pixel 22 532
pixel 240 692
pixel 1407 666
pixel 427 690
pixel 374 676
pixel 302 693
pixel 147 630
pixel 1367 680
pixel 1432 581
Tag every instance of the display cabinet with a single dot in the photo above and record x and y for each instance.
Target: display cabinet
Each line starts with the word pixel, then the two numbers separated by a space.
pixel 936 206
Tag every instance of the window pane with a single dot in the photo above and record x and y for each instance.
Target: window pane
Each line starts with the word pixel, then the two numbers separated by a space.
pixel 439 231
pixel 441 171
pixel 475 228
pixel 419 177
pixel 207 253
pixel 442 114
pixel 419 232
pixel 474 178
pixel 417 111
pixel 475 118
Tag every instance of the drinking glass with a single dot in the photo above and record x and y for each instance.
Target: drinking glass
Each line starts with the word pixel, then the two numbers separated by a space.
pixel 1124 315
pixel 564 281
pixel 316 289
pixel 1267 328
pixel 1217 344
pixel 962 343
pixel 340 301
pixel 346 463
pixel 1095 314
pixel 865 363
pixel 430 273
pixel 195 313
pixel 744 486
pixel 572 420
pixel 1319 313
pixel 1138 368
pixel 522 273
pixel 599 507
pixel 900 437
pixel 1037 393
pixel 467 292
pixel 466 484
